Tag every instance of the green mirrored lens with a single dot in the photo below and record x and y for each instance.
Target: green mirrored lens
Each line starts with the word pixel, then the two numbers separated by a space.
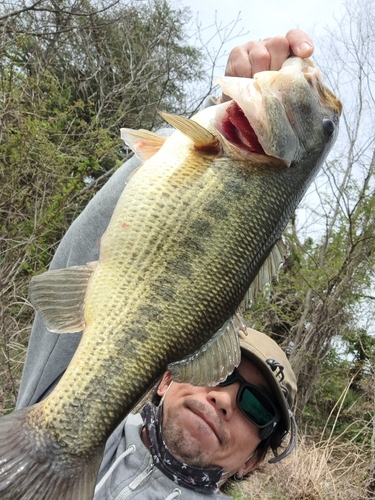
pixel 256 407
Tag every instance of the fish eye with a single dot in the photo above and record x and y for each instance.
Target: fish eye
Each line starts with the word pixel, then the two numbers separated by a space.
pixel 328 125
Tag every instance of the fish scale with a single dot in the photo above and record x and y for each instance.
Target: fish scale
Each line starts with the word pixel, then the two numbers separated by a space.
pixel 187 238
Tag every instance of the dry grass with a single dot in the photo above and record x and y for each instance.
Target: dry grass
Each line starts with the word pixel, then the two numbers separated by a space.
pixel 324 471
pixel 12 355
pixel 15 326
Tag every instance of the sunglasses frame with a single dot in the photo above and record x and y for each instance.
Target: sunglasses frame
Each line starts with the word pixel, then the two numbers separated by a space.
pixel 264 430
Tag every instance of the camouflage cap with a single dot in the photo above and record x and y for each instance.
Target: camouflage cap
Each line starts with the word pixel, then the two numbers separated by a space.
pixel 272 362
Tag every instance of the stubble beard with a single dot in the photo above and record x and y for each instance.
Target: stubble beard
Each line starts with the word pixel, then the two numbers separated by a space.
pixel 180 443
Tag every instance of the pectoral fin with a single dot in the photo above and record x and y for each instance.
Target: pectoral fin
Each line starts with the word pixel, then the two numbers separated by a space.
pixel 203 140
pixel 59 297
pixel 143 143
pixel 215 360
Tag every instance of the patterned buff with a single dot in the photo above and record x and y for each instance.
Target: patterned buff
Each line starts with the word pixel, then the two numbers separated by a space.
pixel 203 479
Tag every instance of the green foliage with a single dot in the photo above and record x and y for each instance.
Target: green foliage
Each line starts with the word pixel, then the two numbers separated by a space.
pixel 337 406
pixel 71 76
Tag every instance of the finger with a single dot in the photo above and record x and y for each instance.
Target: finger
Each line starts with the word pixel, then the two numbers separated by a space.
pixel 260 58
pixel 248 59
pixel 239 63
pixel 279 50
pixel 300 43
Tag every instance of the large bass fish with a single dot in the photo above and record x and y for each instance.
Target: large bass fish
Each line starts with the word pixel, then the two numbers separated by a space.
pixel 192 230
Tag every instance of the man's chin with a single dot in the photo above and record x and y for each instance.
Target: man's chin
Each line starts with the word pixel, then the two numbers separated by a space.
pixel 183 445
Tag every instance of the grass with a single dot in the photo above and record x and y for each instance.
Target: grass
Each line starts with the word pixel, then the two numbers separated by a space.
pixel 12 355
pixel 14 332
pixel 331 470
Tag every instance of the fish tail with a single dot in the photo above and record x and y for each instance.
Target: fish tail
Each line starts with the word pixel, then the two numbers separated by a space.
pixel 32 468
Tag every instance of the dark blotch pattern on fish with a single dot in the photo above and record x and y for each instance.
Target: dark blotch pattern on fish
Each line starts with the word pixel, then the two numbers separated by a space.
pixel 181 266
pixel 235 186
pixel 201 227
pixel 193 244
pixel 165 288
pixel 151 312
pixel 216 209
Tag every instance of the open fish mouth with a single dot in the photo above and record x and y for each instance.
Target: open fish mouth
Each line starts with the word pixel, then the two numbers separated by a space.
pixel 242 120
pixel 238 130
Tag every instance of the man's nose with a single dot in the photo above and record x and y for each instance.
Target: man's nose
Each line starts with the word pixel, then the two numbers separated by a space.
pixel 224 399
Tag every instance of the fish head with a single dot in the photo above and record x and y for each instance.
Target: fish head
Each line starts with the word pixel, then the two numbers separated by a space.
pixel 288 114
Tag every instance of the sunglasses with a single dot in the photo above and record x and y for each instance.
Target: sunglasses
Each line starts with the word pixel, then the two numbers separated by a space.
pixel 254 404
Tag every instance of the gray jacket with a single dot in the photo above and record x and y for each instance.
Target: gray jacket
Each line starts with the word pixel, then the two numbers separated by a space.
pixel 48 355
pixel 134 476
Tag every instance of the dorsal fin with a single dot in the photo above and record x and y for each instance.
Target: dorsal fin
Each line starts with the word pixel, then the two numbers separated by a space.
pixel 143 143
pixel 203 139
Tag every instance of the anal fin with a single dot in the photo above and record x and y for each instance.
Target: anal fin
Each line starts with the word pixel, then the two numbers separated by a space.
pixel 215 360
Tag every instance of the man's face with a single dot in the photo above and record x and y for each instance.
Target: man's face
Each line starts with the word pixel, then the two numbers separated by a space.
pixel 204 427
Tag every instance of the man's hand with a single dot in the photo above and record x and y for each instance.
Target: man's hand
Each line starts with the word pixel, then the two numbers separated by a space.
pixel 268 54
